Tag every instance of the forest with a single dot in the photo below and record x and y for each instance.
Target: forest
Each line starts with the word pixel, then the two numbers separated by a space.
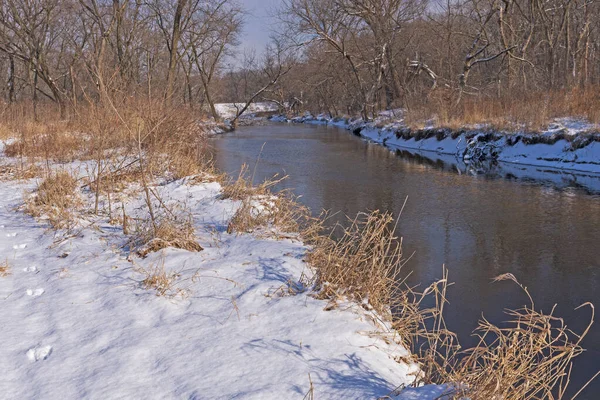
pixel 457 61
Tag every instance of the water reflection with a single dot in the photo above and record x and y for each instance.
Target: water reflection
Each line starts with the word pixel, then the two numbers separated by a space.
pixel 544 227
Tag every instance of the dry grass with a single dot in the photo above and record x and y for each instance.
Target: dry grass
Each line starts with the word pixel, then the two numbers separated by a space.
pixel 56 190
pixel 157 278
pixel 531 110
pixel 5 132
pixel 11 171
pixel 56 197
pixel 5 269
pixel 167 231
pixel 242 187
pixel 528 358
pixel 364 264
pixel 271 215
pixel 260 208
pixel 55 141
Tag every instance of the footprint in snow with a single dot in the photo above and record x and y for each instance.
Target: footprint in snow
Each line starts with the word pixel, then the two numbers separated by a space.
pixel 39 353
pixel 29 269
pixel 35 292
pixel 19 246
pixel 11 234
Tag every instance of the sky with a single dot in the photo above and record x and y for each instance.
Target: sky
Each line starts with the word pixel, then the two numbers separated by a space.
pixel 258 23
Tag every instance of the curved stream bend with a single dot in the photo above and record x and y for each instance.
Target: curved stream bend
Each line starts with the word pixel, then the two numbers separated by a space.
pixel 543 228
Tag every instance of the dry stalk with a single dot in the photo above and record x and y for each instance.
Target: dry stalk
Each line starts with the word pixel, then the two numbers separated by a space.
pixel 5 269
pixel 165 283
pixel 56 197
pixel 170 231
pixel 363 264
pixel 271 215
pixel 241 188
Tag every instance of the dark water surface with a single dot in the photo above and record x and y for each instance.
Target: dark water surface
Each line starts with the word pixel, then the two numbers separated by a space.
pixel 478 226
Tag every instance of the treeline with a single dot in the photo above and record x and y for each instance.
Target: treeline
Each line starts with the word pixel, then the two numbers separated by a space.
pixel 73 51
pixel 366 55
pixel 337 56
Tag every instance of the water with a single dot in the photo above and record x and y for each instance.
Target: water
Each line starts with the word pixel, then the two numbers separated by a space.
pixel 544 231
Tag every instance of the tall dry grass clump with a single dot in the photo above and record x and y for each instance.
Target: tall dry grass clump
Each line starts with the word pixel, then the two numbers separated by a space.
pixel 363 264
pixel 56 198
pixel 169 230
pixel 49 141
pixel 528 357
pixel 280 213
pixel 272 215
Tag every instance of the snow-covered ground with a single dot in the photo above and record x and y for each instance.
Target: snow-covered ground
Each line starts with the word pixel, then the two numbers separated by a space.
pixel 76 322
pixel 567 144
pixel 229 110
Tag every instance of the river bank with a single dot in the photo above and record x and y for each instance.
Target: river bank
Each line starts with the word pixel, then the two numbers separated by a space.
pixel 236 319
pixel 568 144
pixel 151 279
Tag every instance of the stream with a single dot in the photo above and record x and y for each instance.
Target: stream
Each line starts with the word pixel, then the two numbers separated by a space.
pixel 542 226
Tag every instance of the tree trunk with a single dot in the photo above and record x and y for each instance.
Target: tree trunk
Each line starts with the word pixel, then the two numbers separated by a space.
pixel 209 99
pixel 176 35
pixel 11 79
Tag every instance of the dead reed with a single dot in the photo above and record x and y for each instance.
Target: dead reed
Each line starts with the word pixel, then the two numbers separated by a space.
pixel 56 198
pixel 271 215
pixel 363 264
pixel 529 358
pixel 5 269
pixel 167 231
pixel 242 187
pixel 157 278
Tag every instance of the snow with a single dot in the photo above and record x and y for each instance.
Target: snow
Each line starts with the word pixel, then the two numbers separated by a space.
pixel 77 323
pixel 229 110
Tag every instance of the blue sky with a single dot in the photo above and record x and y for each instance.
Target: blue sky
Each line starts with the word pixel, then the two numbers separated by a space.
pixel 258 23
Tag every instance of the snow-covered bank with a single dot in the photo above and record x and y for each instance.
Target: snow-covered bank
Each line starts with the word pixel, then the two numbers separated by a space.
pixel 230 110
pixel 78 323
pixel 566 145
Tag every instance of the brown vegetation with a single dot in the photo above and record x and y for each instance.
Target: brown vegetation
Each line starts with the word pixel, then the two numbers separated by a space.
pixel 530 358
pixel 5 269
pixel 532 111
pixel 169 231
pixel 363 264
pixel 159 279
pixel 56 198
pixel 128 96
